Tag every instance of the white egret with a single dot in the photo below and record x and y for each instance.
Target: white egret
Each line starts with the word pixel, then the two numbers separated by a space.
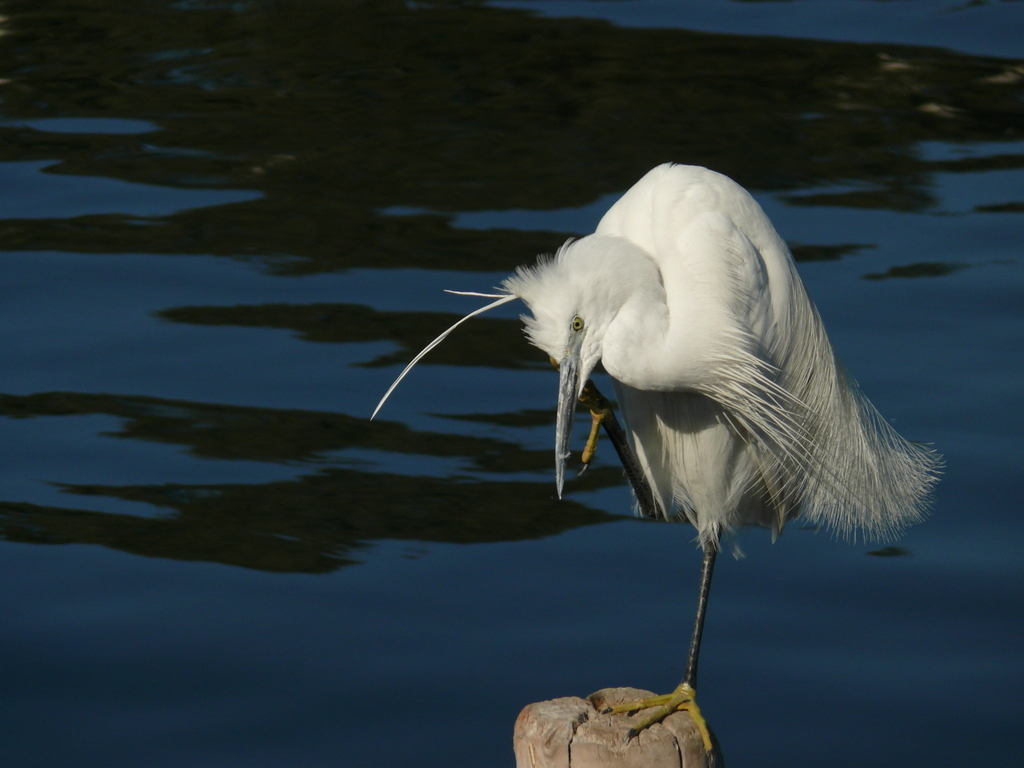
pixel 733 400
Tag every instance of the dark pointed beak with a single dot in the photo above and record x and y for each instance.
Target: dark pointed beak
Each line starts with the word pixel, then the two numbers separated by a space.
pixel 568 395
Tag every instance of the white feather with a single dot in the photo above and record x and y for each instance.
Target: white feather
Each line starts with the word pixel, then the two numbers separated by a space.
pixel 504 299
pixel 733 399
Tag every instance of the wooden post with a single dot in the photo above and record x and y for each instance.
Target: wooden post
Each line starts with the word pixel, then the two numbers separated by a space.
pixel 571 733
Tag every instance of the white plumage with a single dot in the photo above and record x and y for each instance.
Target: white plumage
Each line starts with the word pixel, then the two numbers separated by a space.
pixel 732 396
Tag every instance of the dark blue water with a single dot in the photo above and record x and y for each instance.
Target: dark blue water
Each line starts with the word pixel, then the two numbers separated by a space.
pixel 227 226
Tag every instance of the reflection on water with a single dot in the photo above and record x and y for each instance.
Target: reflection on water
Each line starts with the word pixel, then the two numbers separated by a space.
pixel 486 342
pixel 346 506
pixel 989 29
pixel 97 125
pixel 37 193
pixel 227 225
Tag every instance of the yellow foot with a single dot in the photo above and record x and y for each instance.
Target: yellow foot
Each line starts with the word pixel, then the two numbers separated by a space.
pixel 591 446
pixel 599 408
pixel 682 699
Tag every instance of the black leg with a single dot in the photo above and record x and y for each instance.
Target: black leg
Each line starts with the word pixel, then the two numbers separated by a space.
pixel 598 403
pixel 710 553
pixel 683 698
pixel 644 496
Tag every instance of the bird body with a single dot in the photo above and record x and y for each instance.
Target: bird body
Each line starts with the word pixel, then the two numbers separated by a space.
pixel 733 400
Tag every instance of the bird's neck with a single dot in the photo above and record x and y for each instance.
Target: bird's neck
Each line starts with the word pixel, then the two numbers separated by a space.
pixel 652 344
pixel 635 338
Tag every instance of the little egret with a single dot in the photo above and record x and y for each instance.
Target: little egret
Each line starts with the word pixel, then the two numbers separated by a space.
pixel 734 404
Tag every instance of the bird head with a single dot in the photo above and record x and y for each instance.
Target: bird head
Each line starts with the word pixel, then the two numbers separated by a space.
pixel 574 297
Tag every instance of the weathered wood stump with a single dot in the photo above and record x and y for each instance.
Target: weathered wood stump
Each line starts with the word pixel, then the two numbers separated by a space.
pixel 571 733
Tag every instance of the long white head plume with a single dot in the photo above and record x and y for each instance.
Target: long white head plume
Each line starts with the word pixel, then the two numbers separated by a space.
pixel 501 299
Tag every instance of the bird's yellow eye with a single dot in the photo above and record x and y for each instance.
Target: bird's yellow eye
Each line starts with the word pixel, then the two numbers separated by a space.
pixel 577 323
